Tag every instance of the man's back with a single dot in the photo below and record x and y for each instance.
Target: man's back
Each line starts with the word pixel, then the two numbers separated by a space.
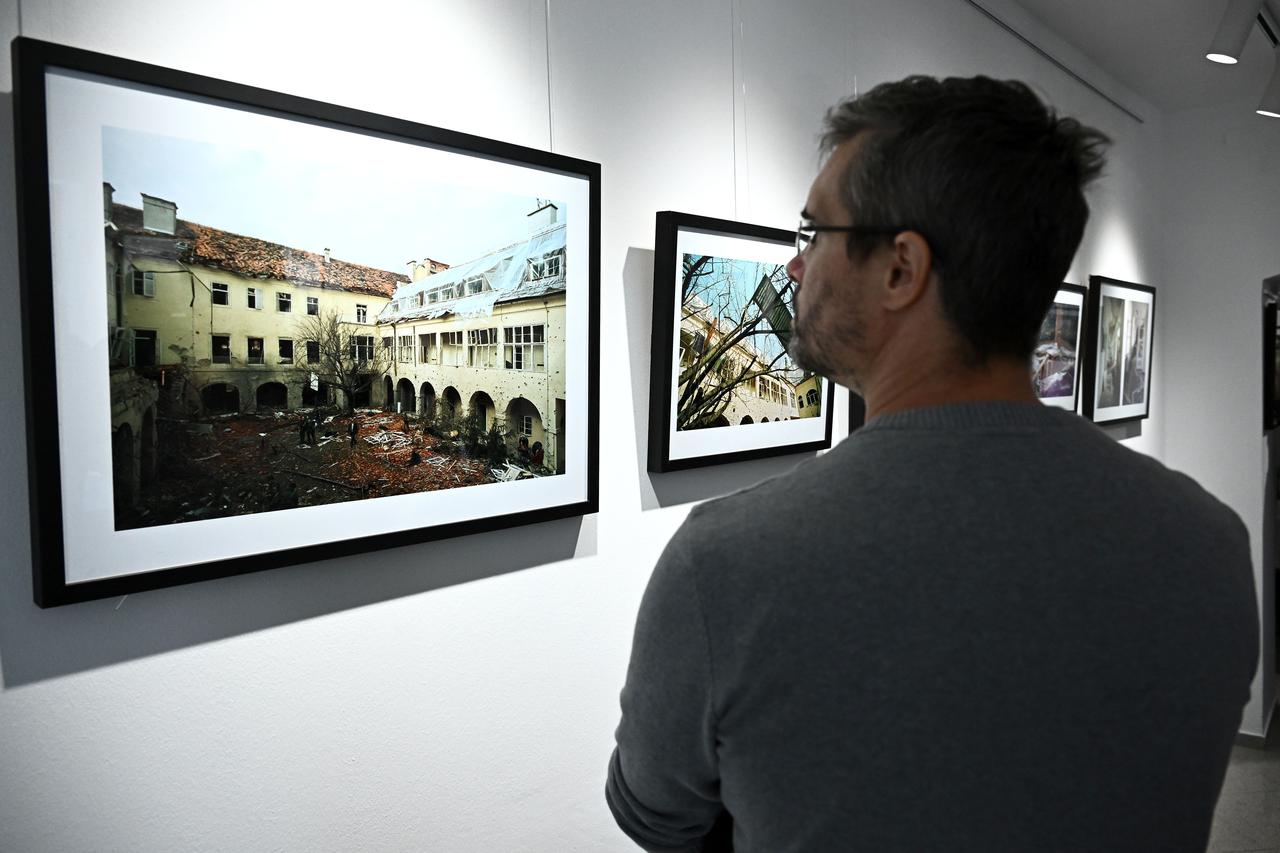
pixel 973 627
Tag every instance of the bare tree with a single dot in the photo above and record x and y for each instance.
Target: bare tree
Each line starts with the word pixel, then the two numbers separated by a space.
pixel 723 336
pixel 340 353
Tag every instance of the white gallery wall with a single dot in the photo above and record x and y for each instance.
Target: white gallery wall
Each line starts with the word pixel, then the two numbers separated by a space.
pixel 461 695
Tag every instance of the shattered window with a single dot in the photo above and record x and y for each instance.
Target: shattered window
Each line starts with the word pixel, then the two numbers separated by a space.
pixel 221 349
pixel 813 396
pixel 425 344
pixel 482 347
pixel 286 351
pixel 254 300
pixel 548 266
pixel 313 351
pixel 362 313
pixel 524 348
pixel 313 305
pixel 451 348
pixel 475 284
pixel 405 348
pixel 284 302
pixel 221 294
pixel 255 351
pixel 526 425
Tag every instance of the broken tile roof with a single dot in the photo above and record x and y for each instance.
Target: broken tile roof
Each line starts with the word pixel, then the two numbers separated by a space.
pixel 251 256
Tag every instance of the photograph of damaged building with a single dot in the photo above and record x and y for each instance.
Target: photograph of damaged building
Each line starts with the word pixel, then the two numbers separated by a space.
pixel 249 376
pixel 734 370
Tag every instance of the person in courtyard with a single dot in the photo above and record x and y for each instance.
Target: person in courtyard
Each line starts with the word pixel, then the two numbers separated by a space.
pixel 978 623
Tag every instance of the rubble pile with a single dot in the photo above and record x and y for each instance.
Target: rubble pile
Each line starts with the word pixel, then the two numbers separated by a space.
pixel 240 464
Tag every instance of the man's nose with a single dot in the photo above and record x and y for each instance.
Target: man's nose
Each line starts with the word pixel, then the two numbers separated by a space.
pixel 795 268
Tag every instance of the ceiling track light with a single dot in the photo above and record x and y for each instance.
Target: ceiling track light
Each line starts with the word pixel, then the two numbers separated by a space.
pixel 1234 29
pixel 1270 104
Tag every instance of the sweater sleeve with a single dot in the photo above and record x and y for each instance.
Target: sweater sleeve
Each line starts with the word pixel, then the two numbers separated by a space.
pixel 663 786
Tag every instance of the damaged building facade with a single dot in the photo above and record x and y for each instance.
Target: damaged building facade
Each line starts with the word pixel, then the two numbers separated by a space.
pixel 215 318
pixel 486 340
pixel 755 397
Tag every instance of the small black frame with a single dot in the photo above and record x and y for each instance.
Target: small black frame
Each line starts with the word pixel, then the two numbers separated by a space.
pixel 35 63
pixel 1110 374
pixel 665 347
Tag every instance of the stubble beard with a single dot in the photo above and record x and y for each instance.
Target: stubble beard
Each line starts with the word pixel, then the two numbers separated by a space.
pixel 828 356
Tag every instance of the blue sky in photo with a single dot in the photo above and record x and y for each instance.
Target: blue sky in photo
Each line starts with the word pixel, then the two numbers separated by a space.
pixel 363 214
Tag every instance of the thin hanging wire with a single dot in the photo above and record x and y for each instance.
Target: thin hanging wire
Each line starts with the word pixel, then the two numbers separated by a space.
pixel 551 139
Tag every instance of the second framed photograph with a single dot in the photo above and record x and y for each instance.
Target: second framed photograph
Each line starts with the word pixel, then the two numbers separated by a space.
pixel 1120 319
pixel 722 387
pixel 1055 363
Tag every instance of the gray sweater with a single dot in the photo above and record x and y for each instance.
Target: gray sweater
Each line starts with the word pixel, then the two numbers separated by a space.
pixel 978 627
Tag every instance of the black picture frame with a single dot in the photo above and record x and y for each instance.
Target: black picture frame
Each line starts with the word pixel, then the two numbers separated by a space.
pixel 1118 389
pixel 735 430
pixel 1052 363
pixel 64 569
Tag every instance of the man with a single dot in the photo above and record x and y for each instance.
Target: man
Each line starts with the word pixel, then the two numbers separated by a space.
pixel 978 623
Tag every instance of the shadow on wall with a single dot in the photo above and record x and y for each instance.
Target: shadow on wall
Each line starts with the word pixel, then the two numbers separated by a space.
pixel 676 487
pixel 39 644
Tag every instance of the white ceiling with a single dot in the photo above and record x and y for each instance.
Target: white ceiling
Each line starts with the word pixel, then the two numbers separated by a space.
pixel 1157 47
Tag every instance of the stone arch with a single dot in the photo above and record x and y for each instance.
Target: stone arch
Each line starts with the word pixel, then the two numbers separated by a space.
pixel 405 399
pixel 220 398
pixel 272 397
pixel 764 420
pixel 427 399
pixel 450 403
pixel 722 421
pixel 746 419
pixel 481 407
pixel 523 418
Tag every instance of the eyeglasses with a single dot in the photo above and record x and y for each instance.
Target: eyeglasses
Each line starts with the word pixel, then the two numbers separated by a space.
pixel 807 231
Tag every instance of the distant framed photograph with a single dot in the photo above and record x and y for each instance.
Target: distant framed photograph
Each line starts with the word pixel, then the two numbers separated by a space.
pixel 723 388
pixel 231 365
pixel 1055 363
pixel 1121 318
pixel 1270 364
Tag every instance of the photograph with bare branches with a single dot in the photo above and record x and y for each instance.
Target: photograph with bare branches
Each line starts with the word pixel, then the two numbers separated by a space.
pixel 723 306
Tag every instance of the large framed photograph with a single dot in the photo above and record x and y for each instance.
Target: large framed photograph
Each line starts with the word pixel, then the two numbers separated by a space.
pixel 723 388
pixel 1055 363
pixel 1121 318
pixel 231 365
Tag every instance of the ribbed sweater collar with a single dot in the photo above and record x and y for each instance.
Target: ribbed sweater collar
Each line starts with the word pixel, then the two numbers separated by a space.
pixel 981 415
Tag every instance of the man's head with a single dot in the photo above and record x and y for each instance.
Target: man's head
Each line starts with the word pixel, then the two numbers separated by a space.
pixel 975 188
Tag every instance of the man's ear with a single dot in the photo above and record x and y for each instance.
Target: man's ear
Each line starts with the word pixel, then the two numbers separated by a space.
pixel 909 271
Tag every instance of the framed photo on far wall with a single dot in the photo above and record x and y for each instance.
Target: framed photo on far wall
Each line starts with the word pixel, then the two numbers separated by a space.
pixel 1121 322
pixel 1055 363
pixel 722 387
pixel 231 367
